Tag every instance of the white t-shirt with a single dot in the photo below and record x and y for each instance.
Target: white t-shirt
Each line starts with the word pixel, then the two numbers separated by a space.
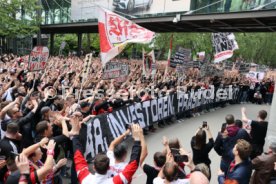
pixel 115 169
pixel 159 180
pixel 8 95
pixel 2 132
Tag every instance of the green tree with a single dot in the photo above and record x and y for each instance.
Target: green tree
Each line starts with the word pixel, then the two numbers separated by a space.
pixel 253 47
pixel 18 17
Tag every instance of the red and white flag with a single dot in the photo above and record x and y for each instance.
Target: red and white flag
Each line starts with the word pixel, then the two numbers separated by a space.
pixel 149 64
pixel 116 31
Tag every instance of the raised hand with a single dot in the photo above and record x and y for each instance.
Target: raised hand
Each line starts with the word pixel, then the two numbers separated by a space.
pixel 74 121
pixel 136 132
pixel 61 162
pixel 243 110
pixel 51 145
pixel 34 102
pixel 43 142
pixel 165 141
pixel 190 162
pixel 169 157
pixel 22 164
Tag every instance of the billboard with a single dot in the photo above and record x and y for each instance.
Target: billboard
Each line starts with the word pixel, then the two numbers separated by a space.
pixel 87 9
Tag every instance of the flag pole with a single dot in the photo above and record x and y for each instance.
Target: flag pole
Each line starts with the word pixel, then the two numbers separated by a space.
pixel 169 57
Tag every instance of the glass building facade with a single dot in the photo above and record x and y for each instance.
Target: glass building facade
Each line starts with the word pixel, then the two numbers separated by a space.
pixel 56 11
pixel 59 11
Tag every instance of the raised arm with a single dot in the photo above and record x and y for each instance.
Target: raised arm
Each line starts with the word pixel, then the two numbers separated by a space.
pixel 8 107
pixel 26 119
pixel 62 162
pixel 31 149
pixel 169 158
pixel 49 163
pixel 62 121
pixel 244 116
pixel 27 97
pixel 81 165
pixel 118 140
pixel 87 118
pixel 144 152
pixel 210 143
pixel 132 166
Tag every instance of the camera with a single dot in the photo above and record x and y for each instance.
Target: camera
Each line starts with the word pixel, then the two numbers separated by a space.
pixel 178 157
pixel 128 126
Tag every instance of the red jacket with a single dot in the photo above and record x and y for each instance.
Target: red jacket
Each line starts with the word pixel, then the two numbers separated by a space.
pixel 85 177
pixel 271 89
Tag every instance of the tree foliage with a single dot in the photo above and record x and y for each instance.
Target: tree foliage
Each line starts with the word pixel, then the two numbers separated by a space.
pixel 18 17
pixel 257 47
pixel 253 47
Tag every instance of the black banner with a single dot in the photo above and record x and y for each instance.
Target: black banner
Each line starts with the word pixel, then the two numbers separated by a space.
pixel 224 44
pixel 244 67
pixel 181 56
pixel 207 70
pixel 98 133
pixel 228 65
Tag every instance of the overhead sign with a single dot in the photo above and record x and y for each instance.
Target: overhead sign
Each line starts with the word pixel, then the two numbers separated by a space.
pixel 38 58
pixel 84 9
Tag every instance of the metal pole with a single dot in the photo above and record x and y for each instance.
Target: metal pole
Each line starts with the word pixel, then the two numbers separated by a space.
pixel 39 12
pixel 79 44
pixel 52 40
pixel 271 131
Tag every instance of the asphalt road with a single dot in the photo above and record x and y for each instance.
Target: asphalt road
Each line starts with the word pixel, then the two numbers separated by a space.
pixel 186 128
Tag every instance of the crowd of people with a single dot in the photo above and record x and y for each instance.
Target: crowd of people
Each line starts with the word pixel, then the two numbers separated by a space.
pixel 42 113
